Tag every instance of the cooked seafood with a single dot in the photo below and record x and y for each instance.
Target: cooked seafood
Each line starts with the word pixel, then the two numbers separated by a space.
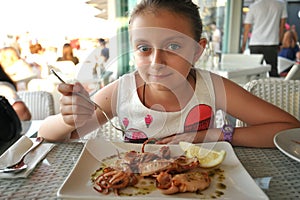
pixel 191 181
pixel 114 179
pixel 172 174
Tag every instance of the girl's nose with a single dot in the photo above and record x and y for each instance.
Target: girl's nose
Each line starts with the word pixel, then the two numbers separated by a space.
pixel 158 58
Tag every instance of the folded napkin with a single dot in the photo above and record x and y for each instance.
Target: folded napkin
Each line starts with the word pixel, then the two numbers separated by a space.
pixel 16 151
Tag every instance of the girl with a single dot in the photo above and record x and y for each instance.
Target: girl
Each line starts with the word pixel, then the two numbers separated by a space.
pixel 289 46
pixel 166 97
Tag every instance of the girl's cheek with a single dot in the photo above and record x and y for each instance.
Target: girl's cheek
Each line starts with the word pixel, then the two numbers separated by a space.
pixel 142 62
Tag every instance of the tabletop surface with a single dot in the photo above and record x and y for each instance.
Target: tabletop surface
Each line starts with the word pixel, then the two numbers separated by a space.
pixel 277 174
pixel 229 70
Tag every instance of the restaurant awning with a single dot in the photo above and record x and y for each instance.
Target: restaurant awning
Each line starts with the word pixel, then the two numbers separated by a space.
pixel 53 18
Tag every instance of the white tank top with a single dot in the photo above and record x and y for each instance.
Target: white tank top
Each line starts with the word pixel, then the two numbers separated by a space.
pixel 197 115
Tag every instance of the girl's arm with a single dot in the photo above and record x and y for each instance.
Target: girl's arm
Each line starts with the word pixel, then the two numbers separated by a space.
pixel 78 117
pixel 264 119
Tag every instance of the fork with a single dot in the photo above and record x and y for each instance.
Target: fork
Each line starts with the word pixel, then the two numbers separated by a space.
pixel 91 102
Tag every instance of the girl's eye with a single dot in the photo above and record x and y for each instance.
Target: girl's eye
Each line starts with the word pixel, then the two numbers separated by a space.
pixel 143 48
pixel 173 47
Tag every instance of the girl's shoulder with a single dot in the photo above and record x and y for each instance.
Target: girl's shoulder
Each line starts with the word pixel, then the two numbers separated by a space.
pixel 128 77
pixel 128 80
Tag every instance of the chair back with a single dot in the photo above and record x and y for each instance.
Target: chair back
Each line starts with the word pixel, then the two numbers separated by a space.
pixel 282 93
pixel 40 103
pixel 107 131
pixel 284 63
pixel 294 73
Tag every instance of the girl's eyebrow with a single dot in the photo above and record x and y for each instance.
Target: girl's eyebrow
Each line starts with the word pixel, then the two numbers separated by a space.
pixel 140 41
pixel 175 38
pixel 172 38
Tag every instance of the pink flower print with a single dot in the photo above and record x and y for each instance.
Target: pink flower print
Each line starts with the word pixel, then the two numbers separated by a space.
pixel 148 120
pixel 125 122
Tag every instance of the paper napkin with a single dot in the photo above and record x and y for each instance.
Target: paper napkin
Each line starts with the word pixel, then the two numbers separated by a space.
pixel 15 152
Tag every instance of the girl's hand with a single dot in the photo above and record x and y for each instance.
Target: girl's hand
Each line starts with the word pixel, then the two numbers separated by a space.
pixel 74 109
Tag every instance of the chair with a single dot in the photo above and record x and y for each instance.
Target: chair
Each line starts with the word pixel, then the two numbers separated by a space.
pixel 40 103
pixel 282 93
pixel 294 73
pixel 107 131
pixel 284 63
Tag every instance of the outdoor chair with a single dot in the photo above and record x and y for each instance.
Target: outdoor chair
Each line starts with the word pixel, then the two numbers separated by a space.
pixel 294 73
pixel 107 131
pixel 282 93
pixel 284 64
pixel 40 103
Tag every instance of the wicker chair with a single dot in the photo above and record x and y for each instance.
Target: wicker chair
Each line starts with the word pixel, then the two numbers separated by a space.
pixel 106 131
pixel 282 93
pixel 40 103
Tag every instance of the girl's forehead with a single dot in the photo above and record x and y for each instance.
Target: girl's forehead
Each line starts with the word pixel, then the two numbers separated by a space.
pixel 157 35
pixel 163 21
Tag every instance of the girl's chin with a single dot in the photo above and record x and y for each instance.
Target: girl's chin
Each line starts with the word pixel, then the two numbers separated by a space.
pixel 161 85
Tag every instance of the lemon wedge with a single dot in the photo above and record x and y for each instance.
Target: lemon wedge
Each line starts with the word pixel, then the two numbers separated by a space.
pixel 207 158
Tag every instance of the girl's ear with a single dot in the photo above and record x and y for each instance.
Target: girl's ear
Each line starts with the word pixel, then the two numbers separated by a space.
pixel 199 49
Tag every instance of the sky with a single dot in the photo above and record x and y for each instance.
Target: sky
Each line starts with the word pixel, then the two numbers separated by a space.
pixel 53 18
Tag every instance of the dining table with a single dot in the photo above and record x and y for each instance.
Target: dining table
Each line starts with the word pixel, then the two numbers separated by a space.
pixel 276 174
pixel 239 73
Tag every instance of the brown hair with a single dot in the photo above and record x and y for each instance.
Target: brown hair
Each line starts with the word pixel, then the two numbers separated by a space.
pixel 68 54
pixel 185 8
pixel 67 51
pixel 35 48
pixel 289 39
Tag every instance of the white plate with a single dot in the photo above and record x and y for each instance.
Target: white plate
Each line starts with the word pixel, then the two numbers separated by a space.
pixel 284 142
pixel 239 184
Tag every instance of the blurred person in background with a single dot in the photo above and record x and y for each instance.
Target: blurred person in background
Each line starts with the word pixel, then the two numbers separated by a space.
pixel 289 46
pixel 16 67
pixel 104 50
pixel 216 37
pixel 37 60
pixel 267 18
pixel 102 57
pixel 67 54
pixel 8 89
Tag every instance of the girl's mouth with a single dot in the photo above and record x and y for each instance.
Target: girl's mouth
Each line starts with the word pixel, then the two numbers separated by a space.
pixel 159 76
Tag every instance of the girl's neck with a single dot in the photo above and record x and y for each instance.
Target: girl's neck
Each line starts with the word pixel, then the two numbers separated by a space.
pixel 168 100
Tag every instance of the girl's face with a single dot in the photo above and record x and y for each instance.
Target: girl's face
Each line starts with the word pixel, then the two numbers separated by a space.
pixel 164 48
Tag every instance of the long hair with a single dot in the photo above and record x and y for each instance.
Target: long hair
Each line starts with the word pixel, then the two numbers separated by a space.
pixel 289 39
pixel 67 51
